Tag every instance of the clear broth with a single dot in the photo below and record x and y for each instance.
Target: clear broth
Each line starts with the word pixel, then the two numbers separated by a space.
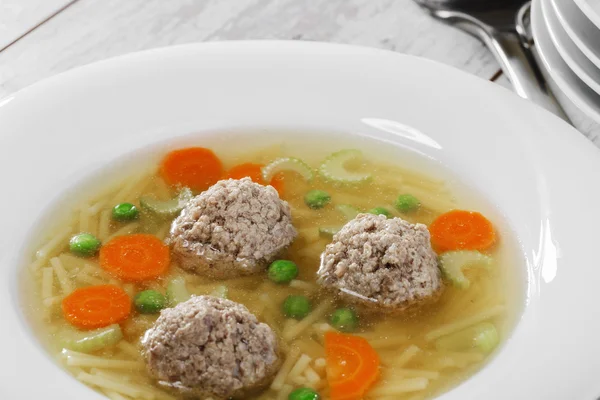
pixel 498 291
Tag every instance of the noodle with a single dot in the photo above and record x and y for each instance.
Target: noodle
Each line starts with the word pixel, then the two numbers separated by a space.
pixel 126 230
pixel 407 355
pixel 285 369
pixel 104 363
pixel 299 380
pixel 90 280
pixel 322 327
pixel 50 301
pixel 129 289
pixel 415 373
pixel 114 395
pixel 53 244
pixel 127 187
pixel 94 270
pixel 163 231
pixel 110 375
pixel 310 235
pixel 311 347
pixel 456 360
pixel 72 353
pixel 139 188
pixel 311 376
pixel 128 348
pixel 289 322
pixel 284 392
pixel 297 284
pixel 93 225
pixel 63 280
pixel 266 300
pixel 104 225
pixel 320 365
pixel 162 190
pixel 388 342
pixel 71 262
pixel 109 384
pixel 96 207
pixel 300 366
pixel 399 387
pixel 84 219
pixel 307 321
pixel 47 282
pixel 465 323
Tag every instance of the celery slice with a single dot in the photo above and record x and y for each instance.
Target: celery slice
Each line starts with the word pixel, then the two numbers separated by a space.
pixel 329 231
pixel 177 291
pixel 482 337
pixel 286 164
pixel 91 341
pixel 220 291
pixel 333 168
pixel 169 208
pixel 452 264
pixel 350 212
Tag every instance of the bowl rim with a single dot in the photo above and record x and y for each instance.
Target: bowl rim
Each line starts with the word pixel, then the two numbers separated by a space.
pixel 512 127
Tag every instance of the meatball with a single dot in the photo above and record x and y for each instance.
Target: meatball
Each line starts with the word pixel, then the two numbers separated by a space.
pixel 234 228
pixel 210 347
pixel 383 264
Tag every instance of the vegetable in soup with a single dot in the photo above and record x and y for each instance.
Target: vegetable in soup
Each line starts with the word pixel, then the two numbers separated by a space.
pixel 275 278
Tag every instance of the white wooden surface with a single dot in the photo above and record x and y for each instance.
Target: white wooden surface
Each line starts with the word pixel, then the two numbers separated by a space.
pixel 92 30
pixel 19 16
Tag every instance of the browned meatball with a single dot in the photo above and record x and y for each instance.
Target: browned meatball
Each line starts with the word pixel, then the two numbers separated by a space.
pixel 384 264
pixel 211 347
pixel 234 228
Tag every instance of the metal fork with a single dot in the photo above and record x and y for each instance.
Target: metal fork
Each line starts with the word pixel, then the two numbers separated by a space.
pixel 500 25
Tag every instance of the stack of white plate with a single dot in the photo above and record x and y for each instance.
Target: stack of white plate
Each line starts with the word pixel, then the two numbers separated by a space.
pixel 567 39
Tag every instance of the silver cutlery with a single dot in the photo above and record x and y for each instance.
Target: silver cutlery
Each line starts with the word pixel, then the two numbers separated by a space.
pixel 500 25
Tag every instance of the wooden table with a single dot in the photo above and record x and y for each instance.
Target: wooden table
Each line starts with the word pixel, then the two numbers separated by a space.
pixel 41 38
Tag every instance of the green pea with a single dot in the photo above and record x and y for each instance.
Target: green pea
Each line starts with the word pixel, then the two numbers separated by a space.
pixel 304 394
pixel 380 211
pixel 282 271
pixel 125 212
pixel 84 244
pixel 149 302
pixel 407 203
pixel 296 307
pixel 344 320
pixel 316 199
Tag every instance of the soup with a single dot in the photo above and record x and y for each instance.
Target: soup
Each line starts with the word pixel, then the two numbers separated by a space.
pixel 100 282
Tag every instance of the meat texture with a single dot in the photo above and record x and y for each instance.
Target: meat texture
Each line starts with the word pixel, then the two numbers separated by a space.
pixel 235 228
pixel 383 264
pixel 211 347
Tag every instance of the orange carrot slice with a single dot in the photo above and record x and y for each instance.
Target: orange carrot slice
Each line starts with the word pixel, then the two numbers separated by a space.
pixel 352 366
pixel 254 172
pixel 278 183
pixel 462 230
pixel 195 167
pixel 250 170
pixel 135 258
pixel 96 306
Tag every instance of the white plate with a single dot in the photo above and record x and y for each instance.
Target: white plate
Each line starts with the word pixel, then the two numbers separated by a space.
pixel 539 172
pixel 591 9
pixel 580 29
pixel 574 88
pixel 575 59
